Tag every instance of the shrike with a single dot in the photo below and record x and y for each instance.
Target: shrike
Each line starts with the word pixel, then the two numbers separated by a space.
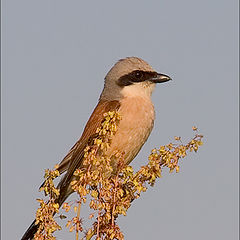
pixel 128 88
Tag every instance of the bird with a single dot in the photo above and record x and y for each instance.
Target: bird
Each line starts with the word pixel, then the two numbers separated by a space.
pixel 128 87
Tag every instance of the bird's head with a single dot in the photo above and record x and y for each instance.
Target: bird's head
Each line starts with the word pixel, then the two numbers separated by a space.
pixel 129 77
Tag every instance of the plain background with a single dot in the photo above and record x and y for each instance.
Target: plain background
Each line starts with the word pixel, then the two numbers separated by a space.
pixel 56 54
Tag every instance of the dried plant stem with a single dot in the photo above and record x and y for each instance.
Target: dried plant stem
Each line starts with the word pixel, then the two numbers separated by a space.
pixel 114 199
pixel 99 211
pixel 78 217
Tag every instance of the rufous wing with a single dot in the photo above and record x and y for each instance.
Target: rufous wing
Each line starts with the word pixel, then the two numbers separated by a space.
pixel 74 158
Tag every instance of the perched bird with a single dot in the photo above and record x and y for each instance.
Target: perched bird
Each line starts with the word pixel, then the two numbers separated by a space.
pixel 128 87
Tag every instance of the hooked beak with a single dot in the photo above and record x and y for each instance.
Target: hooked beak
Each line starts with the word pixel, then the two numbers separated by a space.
pixel 160 78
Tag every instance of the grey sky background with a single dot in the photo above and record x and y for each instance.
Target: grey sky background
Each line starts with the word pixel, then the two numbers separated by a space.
pixel 56 54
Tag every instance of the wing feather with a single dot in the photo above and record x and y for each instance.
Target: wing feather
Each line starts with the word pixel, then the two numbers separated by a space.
pixel 74 158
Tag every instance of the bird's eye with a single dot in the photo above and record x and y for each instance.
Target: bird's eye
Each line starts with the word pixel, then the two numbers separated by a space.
pixel 138 74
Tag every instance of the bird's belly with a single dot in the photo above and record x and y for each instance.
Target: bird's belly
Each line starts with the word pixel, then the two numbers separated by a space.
pixel 133 130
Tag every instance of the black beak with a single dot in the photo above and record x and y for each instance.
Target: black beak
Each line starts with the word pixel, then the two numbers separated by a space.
pixel 160 78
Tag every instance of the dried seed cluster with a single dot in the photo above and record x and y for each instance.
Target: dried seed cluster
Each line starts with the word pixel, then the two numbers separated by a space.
pixel 111 191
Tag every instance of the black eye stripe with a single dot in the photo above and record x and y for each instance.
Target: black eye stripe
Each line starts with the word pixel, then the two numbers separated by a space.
pixel 135 76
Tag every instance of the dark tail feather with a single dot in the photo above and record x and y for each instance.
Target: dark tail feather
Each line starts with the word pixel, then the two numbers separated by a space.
pixel 29 234
pixel 64 193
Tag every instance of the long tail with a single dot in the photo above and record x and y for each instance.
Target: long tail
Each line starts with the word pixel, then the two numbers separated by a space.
pixel 29 234
pixel 64 193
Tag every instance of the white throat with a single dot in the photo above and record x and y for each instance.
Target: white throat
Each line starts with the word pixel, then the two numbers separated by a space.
pixel 143 89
